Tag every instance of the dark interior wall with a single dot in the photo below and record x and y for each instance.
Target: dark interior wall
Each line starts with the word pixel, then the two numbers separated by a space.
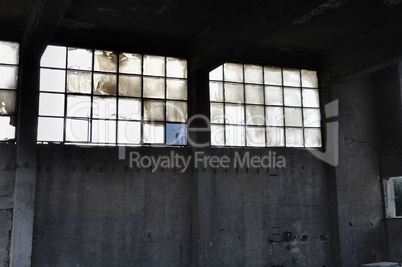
pixel 394 232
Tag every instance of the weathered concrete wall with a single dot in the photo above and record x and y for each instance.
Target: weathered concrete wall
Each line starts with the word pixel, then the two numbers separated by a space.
pixel 394 232
pixel 7 179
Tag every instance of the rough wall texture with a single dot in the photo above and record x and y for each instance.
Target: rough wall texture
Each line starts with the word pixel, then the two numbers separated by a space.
pixel 394 232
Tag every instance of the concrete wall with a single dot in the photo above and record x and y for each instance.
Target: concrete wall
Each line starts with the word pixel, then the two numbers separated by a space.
pixel 394 233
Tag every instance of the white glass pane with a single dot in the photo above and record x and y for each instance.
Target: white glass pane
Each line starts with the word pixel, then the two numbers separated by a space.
pixel 105 84
pixel 176 111
pixel 79 58
pixel 294 137
pixel 9 52
pixel 51 104
pixel 176 89
pixel 154 65
pixel 77 130
pixel 291 77
pixel 129 109
pixel 130 86
pixel 216 74
pixel 129 132
pixel 154 87
pixel 52 80
pixel 234 93
pixel 312 137
pixel 154 133
pixel 130 63
pixel 78 106
pixel 176 68
pixel 104 107
pixel 293 117
pixel 54 57
pixel 309 78
pixel 217 113
pixel 311 98
pixel 104 131
pixel 274 116
pixel 217 135
pixel 8 77
pixel 154 110
pixel 273 95
pixel 8 101
pixel 275 136
pixel 216 91
pixel 272 75
pixel 312 117
pixel 105 61
pixel 292 97
pixel 233 72
pixel 50 129
pixel 255 136
pixel 234 114
pixel 255 115
pixel 254 94
pixel 235 135
pixel 79 82
pixel 7 129
pixel 253 74
pixel 176 134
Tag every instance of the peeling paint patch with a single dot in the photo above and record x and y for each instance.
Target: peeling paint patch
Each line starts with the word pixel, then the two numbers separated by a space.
pixel 331 4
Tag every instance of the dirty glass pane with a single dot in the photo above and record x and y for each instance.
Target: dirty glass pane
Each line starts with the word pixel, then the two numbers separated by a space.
pixel 176 89
pixel 254 94
pixel 8 100
pixel 235 135
pixel 292 97
pixel 51 104
pixel 176 68
pixel 154 133
pixel 129 132
pixel 54 57
pixel 78 106
pixel 129 109
pixel 216 91
pixel 293 117
pixel 234 114
pixel 274 116
pixel 291 77
pixel 273 95
pixel 309 78
pixel 105 61
pixel 9 52
pixel 77 130
pixel 104 131
pixel 217 135
pixel 176 111
pixel 154 65
pixel 130 63
pixel 294 137
pixel 176 134
pixel 311 98
pixel 154 110
pixel 275 136
pixel 105 84
pixel 7 129
pixel 154 87
pixel 8 77
pixel 216 74
pixel 129 85
pixel 233 72
pixel 104 107
pixel 255 136
pixel 253 74
pixel 79 82
pixel 234 93
pixel 272 75
pixel 52 80
pixel 79 58
pixel 255 115
pixel 50 129
pixel 217 113
pixel 312 137
pixel 312 117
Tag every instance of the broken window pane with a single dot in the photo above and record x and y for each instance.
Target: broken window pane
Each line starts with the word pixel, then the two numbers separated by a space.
pixel 272 75
pixel 104 107
pixel 235 135
pixel 176 89
pixel 254 94
pixel 255 136
pixel 216 74
pixel 51 104
pixel 216 91
pixel 8 77
pixel 233 72
pixel 311 98
pixel 273 95
pixel 234 93
pixel 274 116
pixel 154 87
pixel 50 129
pixel 275 136
pixel 79 58
pixel 154 110
pixel 54 57
pixel 129 85
pixel 78 106
pixel 312 117
pixel 176 111
pixel 217 135
pixel 217 113
pixel 129 109
pixel 309 78
pixel 154 133
pixel 253 74
pixel 312 137
pixel 7 129
pixel 293 117
pixel 9 52
pixel 291 77
pixel 176 134
pixel 129 132
pixel 154 65
pixel 255 115
pixel 292 97
pixel 104 131
pixel 105 84
pixel 294 137
pixel 8 100
pixel 52 80
pixel 105 61
pixel 234 114
pixel 79 82
pixel 130 63
pixel 176 68
pixel 77 130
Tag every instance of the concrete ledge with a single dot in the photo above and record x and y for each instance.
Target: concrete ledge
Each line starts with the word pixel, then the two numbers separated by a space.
pixel 381 264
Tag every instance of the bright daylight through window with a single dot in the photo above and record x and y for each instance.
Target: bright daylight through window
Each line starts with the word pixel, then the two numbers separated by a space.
pixel 9 57
pixel 261 106
pixel 104 97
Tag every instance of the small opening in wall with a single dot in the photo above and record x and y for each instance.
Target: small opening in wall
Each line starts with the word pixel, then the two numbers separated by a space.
pixel 393 196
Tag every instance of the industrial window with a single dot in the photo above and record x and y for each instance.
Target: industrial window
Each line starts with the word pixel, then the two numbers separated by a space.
pixel 104 97
pixel 262 106
pixel 393 196
pixel 9 57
